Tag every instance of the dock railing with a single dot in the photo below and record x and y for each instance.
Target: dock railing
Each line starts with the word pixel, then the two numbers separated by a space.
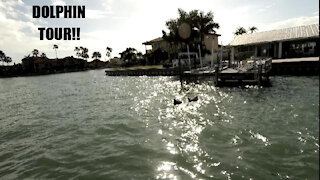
pixel 252 64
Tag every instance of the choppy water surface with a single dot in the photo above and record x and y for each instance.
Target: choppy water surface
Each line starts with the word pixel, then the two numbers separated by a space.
pixel 87 126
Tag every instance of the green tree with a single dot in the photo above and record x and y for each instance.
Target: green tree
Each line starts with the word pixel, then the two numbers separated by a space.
pixel 7 60
pixel 84 52
pixel 77 50
pixel 43 55
pixel 131 56
pixel 240 31
pixel 96 55
pixel 189 27
pixel 128 54
pixel 139 57
pixel 2 57
pixel 35 53
pixel 55 47
pixel 253 29
pixel 109 51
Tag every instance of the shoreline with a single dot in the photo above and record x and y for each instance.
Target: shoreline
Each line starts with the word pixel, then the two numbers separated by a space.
pixel 282 67
pixel 44 74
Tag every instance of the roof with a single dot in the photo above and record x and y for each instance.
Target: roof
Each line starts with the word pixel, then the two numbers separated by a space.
pixel 214 34
pixel 305 59
pixel 300 32
pixel 153 41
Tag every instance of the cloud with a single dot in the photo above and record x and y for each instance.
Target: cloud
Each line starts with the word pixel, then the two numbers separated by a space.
pixel 14 39
pixel 299 21
pixel 124 23
pixel 231 20
pixel 19 33
pixel 14 29
pixel 107 4
pixel 58 2
pixel 10 3
pixel 9 7
pixel 265 8
pixel 96 14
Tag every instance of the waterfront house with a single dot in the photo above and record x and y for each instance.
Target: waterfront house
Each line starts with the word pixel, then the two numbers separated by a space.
pixel 160 49
pixel 295 42
pixel 210 41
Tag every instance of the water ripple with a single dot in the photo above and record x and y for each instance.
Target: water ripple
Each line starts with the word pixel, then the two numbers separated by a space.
pixel 89 126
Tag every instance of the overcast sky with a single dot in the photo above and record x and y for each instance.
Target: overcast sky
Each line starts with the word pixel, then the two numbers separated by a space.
pixel 128 23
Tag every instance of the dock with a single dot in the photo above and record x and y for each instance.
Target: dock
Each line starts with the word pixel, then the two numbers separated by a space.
pixel 144 71
pixel 308 66
pixel 245 71
pixel 254 71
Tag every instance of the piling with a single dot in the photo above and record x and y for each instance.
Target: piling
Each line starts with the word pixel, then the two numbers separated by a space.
pixel 216 75
pixel 259 74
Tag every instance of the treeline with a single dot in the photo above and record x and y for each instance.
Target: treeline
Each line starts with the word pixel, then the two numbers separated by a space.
pixel 4 58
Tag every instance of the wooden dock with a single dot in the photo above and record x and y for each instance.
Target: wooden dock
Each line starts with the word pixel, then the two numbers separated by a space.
pixel 144 71
pixel 249 71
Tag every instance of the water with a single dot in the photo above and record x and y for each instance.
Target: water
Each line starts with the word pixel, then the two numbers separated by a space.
pixel 88 126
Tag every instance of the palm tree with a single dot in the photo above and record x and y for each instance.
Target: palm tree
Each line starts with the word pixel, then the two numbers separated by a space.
pixel 253 29
pixel 43 55
pixel 55 47
pixel 2 57
pixel 8 60
pixel 35 53
pixel 203 23
pixel 131 56
pixel 200 23
pixel 240 31
pixel 84 52
pixel 77 50
pixel 128 54
pixel 96 55
pixel 109 51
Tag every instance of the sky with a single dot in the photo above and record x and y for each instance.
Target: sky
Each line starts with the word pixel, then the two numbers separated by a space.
pixel 128 23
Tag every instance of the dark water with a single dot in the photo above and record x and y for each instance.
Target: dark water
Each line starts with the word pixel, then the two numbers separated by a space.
pixel 89 126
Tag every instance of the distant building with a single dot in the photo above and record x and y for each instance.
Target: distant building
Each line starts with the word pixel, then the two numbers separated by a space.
pixel 158 43
pixel 44 65
pixel 210 41
pixel 160 49
pixel 295 42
